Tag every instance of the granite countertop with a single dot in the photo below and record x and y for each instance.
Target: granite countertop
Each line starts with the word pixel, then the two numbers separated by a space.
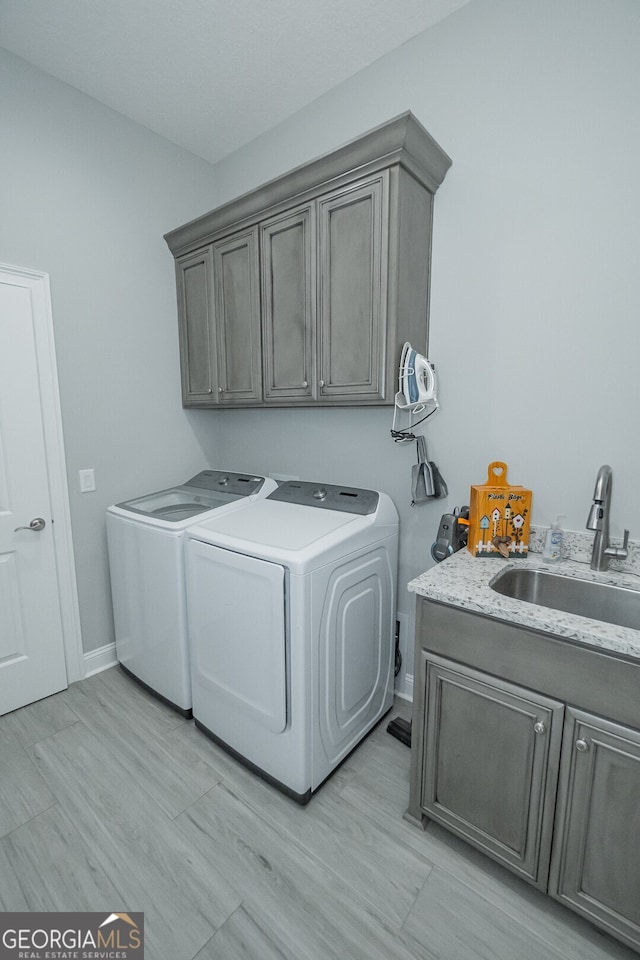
pixel 463 581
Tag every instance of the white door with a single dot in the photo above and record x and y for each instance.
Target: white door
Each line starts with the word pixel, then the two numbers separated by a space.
pixel 32 649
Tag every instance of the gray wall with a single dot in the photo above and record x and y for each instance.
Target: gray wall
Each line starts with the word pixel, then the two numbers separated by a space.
pixel 86 196
pixel 534 308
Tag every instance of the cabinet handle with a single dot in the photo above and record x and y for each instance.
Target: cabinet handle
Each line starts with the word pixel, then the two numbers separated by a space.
pixel 582 746
pixel 539 727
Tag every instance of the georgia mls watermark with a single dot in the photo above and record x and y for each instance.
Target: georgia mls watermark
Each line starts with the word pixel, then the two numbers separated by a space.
pixel 71 936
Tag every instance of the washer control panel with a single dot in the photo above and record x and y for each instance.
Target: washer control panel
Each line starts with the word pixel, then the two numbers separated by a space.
pixel 328 496
pixel 236 484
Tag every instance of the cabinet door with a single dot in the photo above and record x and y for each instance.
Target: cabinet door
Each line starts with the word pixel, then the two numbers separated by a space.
pixel 288 304
pixel 236 280
pixel 353 291
pixel 194 280
pixel 491 758
pixel 596 855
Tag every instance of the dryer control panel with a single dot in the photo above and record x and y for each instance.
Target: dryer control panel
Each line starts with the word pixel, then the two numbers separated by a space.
pixel 327 496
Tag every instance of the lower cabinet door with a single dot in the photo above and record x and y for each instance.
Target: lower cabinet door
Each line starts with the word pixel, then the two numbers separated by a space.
pixel 491 759
pixel 596 858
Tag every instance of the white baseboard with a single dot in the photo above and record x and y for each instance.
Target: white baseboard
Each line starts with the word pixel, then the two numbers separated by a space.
pixel 101 659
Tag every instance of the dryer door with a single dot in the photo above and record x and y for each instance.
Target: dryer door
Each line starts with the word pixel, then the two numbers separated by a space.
pixel 236 612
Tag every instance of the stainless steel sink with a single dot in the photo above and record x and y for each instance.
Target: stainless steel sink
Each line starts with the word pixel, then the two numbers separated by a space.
pixel 587 598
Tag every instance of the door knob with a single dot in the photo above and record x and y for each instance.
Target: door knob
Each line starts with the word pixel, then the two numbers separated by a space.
pixel 36 525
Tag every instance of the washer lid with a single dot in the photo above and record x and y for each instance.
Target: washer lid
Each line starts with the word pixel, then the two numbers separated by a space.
pixel 273 526
pixel 206 491
pixel 178 503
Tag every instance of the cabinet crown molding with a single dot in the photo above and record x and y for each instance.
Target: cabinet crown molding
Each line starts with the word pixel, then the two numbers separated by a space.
pixel 402 140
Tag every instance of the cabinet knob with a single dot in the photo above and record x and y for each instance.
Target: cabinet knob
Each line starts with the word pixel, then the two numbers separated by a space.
pixel 322 383
pixel 210 390
pixel 582 746
pixel 220 389
pixel 539 727
pixel 304 383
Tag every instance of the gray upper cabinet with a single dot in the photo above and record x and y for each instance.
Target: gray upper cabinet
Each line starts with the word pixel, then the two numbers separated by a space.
pixel 304 290
pixel 219 309
pixel 236 318
pixel 194 281
pixel 352 293
pixel 288 305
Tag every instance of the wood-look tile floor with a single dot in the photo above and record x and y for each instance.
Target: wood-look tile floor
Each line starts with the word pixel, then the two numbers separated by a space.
pixel 109 801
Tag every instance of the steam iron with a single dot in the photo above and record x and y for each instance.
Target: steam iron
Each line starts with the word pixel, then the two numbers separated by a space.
pixel 416 381
pixel 416 392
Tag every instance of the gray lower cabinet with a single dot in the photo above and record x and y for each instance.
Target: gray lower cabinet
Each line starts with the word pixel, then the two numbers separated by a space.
pixel 491 758
pixel 305 290
pixel 596 861
pixel 505 754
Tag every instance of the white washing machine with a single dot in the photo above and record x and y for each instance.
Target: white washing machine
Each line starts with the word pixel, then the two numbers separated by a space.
pixel 145 538
pixel 291 607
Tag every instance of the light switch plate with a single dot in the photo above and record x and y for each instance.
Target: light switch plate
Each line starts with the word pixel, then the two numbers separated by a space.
pixel 87 480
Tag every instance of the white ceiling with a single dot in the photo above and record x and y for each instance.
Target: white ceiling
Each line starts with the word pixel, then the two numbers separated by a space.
pixel 210 75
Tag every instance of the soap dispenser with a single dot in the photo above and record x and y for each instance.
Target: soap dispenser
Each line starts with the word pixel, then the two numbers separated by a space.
pixel 552 549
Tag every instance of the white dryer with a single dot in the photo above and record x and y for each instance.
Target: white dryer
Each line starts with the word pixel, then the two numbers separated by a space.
pixel 145 538
pixel 291 607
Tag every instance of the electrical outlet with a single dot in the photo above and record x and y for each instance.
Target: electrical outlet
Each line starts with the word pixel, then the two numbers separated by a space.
pixel 87 480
